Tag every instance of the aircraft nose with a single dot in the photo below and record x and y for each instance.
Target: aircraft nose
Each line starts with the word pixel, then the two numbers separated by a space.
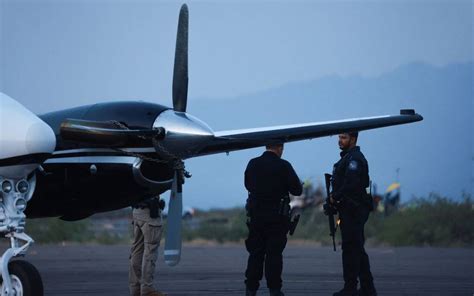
pixel 22 132
pixel 39 138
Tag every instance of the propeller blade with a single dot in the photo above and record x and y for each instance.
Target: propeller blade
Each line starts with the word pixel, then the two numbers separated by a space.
pixel 105 133
pixel 172 252
pixel 180 74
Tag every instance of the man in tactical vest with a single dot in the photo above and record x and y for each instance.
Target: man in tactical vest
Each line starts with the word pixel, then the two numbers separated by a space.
pixel 268 179
pixel 350 183
pixel 147 230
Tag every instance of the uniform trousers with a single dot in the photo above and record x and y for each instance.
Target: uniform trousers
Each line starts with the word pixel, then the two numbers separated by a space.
pixel 144 252
pixel 355 261
pixel 265 244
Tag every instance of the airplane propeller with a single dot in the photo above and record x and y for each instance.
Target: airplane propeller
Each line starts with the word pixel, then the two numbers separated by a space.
pixel 172 252
pixel 180 74
pixel 112 134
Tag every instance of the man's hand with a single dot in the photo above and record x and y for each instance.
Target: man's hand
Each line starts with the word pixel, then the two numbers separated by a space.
pixel 329 209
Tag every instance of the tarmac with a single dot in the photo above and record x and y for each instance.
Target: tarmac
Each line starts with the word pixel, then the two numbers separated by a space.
pixel 219 270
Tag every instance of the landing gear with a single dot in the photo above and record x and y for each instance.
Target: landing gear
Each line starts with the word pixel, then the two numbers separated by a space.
pixel 25 279
pixel 18 278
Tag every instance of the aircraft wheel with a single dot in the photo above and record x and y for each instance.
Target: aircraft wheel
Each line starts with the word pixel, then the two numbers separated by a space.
pixel 26 280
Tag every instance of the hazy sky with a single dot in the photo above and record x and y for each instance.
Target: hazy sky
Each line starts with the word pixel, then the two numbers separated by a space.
pixel 73 52
pixel 59 54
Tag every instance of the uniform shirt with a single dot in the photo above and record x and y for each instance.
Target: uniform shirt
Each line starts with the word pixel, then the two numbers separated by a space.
pixel 350 175
pixel 269 177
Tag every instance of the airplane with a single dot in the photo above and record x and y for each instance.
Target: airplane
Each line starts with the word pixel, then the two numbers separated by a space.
pixel 77 162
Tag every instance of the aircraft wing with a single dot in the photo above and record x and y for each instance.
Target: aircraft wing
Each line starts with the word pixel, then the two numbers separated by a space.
pixel 226 141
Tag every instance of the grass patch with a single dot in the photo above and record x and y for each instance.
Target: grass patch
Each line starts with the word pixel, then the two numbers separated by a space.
pixel 432 221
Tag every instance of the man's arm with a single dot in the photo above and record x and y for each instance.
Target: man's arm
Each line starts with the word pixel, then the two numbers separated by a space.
pixel 247 178
pixel 294 183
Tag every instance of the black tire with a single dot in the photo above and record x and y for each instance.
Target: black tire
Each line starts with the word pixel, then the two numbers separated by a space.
pixel 29 277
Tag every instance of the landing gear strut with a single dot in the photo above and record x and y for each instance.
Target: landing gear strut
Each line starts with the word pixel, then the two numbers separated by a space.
pixel 19 278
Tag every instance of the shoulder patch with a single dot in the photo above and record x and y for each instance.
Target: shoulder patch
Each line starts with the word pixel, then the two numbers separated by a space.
pixel 353 165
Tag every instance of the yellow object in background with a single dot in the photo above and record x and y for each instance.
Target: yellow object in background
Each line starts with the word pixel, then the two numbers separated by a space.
pixel 392 187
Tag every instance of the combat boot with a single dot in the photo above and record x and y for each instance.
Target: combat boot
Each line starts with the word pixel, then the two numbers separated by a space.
pixel 365 292
pixel 346 292
pixel 250 293
pixel 156 293
pixel 276 292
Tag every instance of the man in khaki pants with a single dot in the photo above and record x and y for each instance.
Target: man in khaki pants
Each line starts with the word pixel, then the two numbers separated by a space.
pixel 147 230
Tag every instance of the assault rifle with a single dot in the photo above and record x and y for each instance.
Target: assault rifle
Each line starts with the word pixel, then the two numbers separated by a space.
pixel 330 210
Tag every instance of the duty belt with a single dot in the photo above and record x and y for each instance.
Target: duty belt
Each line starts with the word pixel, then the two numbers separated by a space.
pixel 264 204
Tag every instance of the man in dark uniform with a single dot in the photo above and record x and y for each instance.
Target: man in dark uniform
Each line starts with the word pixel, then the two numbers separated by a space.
pixel 350 182
pixel 268 179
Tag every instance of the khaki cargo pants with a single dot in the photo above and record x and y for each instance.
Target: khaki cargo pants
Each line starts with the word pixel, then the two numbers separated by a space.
pixel 144 252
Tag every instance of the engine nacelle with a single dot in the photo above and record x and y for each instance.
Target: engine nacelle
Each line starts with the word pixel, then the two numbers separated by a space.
pixel 153 175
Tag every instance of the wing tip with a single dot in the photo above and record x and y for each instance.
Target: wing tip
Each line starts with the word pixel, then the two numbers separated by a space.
pixel 411 112
pixel 407 112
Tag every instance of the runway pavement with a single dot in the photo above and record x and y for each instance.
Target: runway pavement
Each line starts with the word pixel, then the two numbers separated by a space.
pixel 218 270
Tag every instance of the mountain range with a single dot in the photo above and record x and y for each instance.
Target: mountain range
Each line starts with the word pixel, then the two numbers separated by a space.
pixel 433 156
